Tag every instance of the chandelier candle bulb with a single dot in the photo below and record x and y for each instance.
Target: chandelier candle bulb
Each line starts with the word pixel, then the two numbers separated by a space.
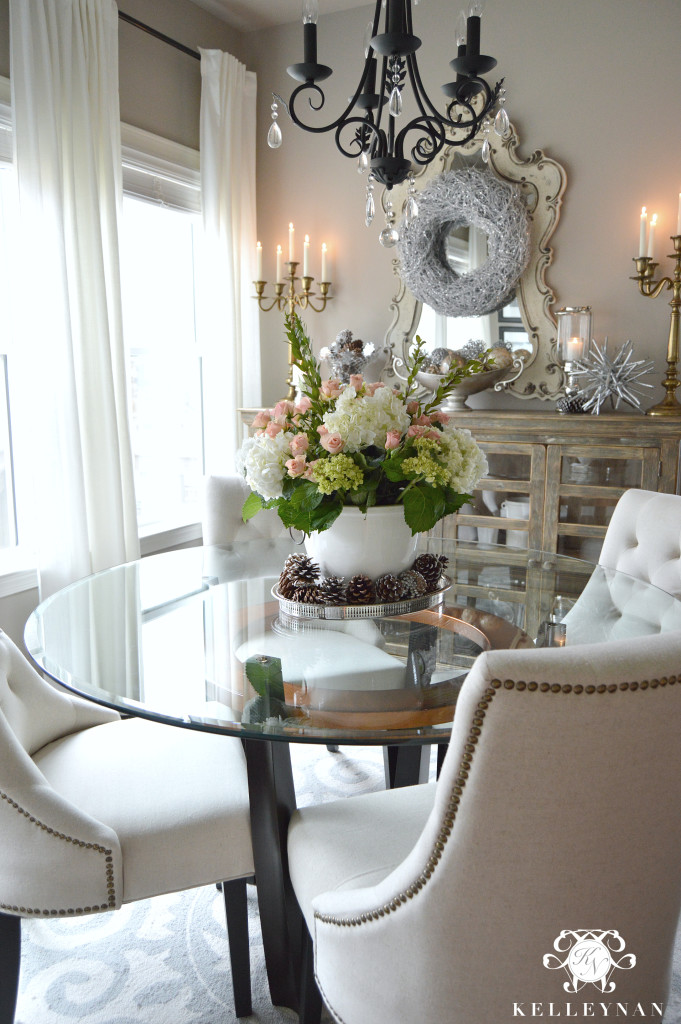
pixel 678 217
pixel 651 237
pixel 258 261
pixel 306 256
pixel 291 248
pixel 325 262
pixel 279 262
pixel 643 232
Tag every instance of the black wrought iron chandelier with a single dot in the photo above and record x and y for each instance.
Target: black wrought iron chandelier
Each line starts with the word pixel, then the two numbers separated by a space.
pixel 370 128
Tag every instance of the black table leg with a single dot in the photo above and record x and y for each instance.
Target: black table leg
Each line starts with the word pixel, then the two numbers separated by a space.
pixel 406 765
pixel 273 801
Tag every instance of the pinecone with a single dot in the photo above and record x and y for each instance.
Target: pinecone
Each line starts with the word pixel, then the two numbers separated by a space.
pixel 389 588
pixel 360 590
pixel 301 570
pixel 333 589
pixel 414 583
pixel 570 404
pixel 431 568
pixel 287 587
pixel 310 594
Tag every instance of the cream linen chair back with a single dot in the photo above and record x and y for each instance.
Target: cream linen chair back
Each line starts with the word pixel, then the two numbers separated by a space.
pixel 96 811
pixel 557 812
pixel 223 499
pixel 642 542
pixel 644 539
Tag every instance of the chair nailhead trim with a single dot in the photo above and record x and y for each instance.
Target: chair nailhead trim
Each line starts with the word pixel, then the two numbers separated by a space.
pixel 466 761
pixel 111 889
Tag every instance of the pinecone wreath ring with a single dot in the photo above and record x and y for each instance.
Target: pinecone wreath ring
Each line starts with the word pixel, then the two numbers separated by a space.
pixel 456 199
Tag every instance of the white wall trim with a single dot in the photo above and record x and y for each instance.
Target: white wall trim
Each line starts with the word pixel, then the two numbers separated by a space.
pixel 166 540
pixel 151 153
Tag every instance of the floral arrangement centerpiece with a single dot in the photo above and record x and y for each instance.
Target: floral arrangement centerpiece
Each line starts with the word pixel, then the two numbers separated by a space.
pixel 359 444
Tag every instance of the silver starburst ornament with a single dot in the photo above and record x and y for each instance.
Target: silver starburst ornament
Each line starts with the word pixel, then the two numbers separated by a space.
pixel 615 377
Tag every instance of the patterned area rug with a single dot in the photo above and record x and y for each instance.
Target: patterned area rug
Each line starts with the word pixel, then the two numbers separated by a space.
pixel 164 961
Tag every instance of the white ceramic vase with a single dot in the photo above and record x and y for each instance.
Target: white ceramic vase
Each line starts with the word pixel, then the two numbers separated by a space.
pixel 372 544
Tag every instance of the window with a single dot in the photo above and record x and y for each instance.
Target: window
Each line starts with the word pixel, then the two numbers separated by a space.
pixel 157 240
pixel 161 209
pixel 164 371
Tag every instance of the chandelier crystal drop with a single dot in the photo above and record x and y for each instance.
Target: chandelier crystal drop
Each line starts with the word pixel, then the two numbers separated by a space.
pixel 390 124
pixel 274 138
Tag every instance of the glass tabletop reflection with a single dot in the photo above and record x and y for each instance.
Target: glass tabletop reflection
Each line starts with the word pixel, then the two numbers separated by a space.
pixel 196 638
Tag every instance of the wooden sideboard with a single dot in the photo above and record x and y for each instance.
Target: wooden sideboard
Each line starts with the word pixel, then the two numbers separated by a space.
pixel 572 468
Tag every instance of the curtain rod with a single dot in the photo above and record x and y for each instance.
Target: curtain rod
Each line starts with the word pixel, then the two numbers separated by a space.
pixel 158 35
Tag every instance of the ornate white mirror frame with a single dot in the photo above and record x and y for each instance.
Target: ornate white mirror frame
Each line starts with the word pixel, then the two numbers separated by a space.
pixel 541 182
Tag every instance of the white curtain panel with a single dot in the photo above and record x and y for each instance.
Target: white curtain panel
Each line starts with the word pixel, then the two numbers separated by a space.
pixel 227 314
pixel 64 77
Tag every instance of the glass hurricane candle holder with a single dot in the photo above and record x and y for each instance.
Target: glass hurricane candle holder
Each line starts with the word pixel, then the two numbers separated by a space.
pixel 574 336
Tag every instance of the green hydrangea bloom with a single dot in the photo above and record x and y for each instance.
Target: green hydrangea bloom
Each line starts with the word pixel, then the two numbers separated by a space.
pixel 339 473
pixel 427 462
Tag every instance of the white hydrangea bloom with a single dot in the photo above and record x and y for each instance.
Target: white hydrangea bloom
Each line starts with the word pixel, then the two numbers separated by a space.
pixel 365 420
pixel 465 460
pixel 261 460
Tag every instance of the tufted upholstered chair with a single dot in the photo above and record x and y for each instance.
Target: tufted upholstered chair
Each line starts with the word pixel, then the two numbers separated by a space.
pixel 96 811
pixel 558 808
pixel 643 541
pixel 223 499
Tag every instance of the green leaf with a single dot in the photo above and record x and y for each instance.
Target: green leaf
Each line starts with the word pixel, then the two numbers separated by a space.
pixel 454 500
pixel 252 505
pixel 306 496
pixel 321 518
pixel 265 676
pixel 392 467
pixel 424 506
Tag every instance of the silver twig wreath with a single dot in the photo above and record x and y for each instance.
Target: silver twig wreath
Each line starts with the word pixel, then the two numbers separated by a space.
pixel 455 199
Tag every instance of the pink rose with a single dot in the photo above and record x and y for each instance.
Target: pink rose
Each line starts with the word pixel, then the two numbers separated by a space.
pixel 372 388
pixel 331 388
pixel 262 419
pixel 309 472
pixel 322 429
pixel 296 467
pixel 423 421
pixel 393 438
pixel 356 381
pixel 303 405
pixel 440 417
pixel 333 443
pixel 412 408
pixel 433 435
pixel 283 410
pixel 299 444
pixel 272 429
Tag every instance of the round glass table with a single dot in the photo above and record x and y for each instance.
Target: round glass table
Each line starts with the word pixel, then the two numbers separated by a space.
pixel 197 639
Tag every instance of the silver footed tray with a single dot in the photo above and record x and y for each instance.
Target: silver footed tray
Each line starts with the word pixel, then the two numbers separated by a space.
pixel 301 610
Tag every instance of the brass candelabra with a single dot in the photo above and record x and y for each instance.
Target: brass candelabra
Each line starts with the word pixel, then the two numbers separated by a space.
pixel 286 302
pixel 645 272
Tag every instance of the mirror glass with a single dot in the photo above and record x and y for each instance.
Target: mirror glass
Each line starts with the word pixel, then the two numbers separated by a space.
pixel 525 323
